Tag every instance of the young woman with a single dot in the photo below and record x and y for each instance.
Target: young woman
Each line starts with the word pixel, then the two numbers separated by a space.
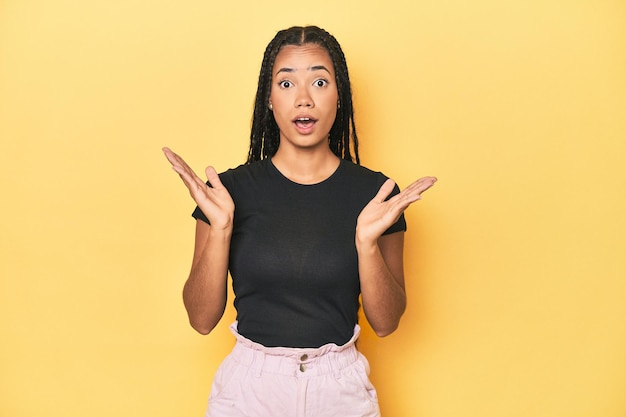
pixel 304 231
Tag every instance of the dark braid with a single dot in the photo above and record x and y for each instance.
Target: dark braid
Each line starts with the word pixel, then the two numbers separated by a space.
pixel 265 135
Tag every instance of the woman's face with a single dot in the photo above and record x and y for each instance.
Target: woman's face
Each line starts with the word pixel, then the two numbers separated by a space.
pixel 304 96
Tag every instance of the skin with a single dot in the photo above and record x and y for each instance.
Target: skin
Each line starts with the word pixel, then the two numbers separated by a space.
pixel 204 293
pixel 303 87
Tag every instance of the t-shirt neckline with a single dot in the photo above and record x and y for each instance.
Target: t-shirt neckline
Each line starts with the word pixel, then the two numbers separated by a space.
pixel 289 181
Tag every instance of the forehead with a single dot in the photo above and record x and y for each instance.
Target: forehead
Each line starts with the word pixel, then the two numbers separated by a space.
pixel 302 57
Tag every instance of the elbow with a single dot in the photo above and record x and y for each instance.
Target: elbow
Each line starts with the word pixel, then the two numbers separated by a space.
pixel 203 319
pixel 384 331
pixel 202 328
pixel 389 324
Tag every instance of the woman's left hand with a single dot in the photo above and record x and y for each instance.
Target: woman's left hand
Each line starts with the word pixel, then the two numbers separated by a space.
pixel 378 215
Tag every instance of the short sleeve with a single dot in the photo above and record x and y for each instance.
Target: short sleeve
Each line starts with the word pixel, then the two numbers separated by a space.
pixel 400 225
pixel 198 214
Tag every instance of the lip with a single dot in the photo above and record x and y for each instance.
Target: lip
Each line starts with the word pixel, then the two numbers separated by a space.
pixel 304 128
pixel 304 116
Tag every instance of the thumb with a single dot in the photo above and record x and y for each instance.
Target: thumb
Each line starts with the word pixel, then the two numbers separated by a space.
pixel 384 190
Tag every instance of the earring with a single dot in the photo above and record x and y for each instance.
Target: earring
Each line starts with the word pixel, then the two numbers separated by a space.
pixel 338 105
pixel 269 106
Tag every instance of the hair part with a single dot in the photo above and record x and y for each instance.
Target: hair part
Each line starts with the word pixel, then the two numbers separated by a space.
pixel 265 134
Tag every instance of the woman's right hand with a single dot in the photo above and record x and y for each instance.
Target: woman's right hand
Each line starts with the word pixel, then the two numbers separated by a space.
pixel 215 201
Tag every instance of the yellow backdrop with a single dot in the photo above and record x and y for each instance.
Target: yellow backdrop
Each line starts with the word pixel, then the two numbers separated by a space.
pixel 516 262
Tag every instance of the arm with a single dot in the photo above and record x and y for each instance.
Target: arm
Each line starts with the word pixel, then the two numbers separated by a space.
pixel 381 269
pixel 204 293
pixel 381 272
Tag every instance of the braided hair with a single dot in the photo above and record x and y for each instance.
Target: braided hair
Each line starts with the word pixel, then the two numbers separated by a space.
pixel 265 134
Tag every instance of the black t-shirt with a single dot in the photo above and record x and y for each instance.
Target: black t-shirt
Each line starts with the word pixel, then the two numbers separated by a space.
pixel 293 258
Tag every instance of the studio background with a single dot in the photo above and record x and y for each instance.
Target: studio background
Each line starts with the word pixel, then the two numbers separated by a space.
pixel 515 260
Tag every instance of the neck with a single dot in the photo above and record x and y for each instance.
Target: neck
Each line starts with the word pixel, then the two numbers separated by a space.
pixel 306 167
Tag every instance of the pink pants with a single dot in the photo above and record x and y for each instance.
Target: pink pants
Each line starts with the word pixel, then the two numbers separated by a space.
pixel 329 381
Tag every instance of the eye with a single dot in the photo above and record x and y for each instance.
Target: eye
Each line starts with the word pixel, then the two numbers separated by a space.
pixel 320 83
pixel 285 84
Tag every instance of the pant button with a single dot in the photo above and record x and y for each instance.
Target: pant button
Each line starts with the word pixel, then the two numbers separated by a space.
pixel 304 357
pixel 302 367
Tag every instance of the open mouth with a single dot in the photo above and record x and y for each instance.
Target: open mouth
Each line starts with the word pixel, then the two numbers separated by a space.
pixel 304 122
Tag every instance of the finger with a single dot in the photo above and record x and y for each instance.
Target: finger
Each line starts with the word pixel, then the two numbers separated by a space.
pixel 384 190
pixel 189 177
pixel 421 185
pixel 184 170
pixel 213 177
pixel 172 157
pixel 425 183
pixel 177 162
pixel 411 194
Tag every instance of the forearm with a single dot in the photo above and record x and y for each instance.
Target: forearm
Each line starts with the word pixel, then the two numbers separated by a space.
pixel 204 293
pixel 381 262
pixel 383 294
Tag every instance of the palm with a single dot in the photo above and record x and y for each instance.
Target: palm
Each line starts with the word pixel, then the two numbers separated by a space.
pixel 379 214
pixel 215 201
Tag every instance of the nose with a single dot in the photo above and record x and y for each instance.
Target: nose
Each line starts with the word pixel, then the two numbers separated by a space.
pixel 303 99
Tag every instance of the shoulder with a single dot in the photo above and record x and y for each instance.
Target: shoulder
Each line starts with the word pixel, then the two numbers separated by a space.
pixel 365 180
pixel 245 169
pixel 245 173
pixel 361 174
pixel 249 181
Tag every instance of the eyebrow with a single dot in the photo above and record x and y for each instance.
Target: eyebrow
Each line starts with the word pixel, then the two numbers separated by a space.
pixel 312 68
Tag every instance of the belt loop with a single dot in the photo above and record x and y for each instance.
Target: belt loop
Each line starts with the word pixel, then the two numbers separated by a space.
pixel 259 360
pixel 338 366
pixel 336 362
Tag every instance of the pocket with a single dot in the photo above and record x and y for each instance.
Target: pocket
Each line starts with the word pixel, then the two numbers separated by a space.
pixel 361 373
pixel 224 376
